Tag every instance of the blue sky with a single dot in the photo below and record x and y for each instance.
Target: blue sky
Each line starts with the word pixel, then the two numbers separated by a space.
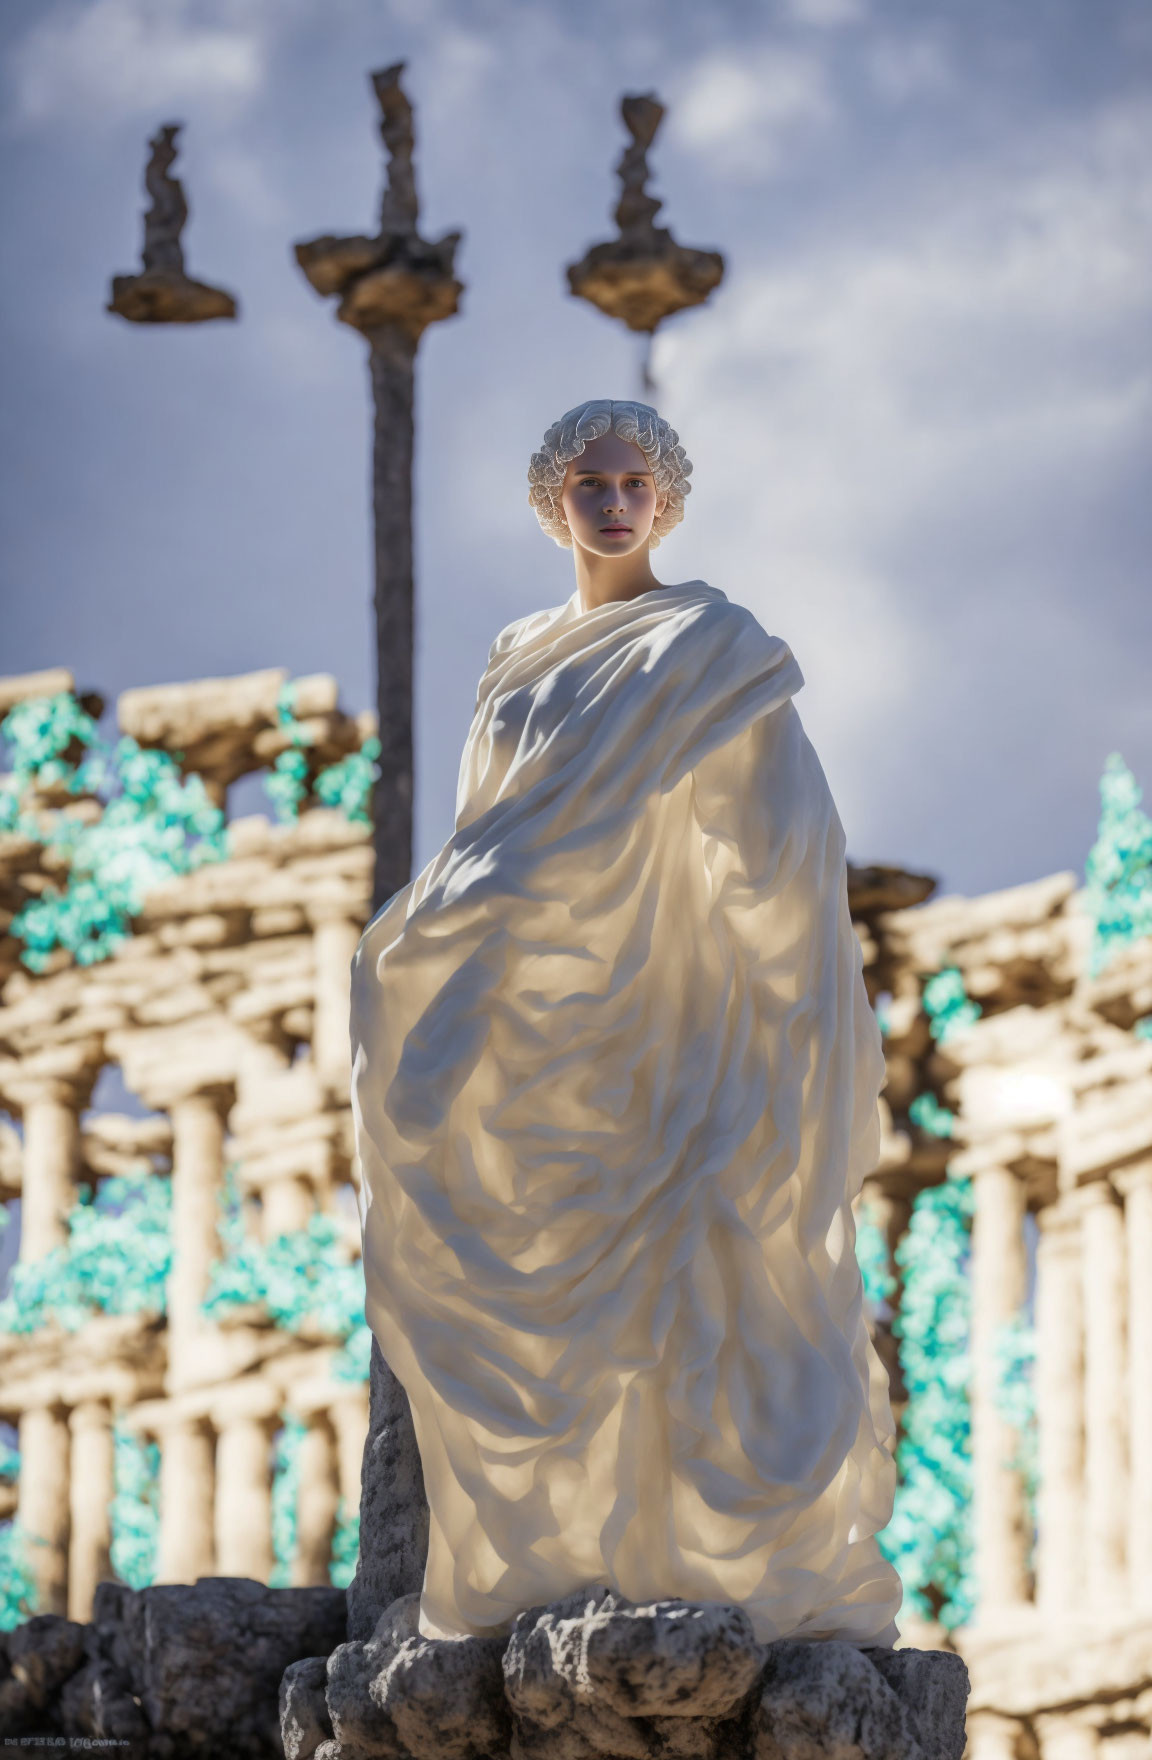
pixel 919 408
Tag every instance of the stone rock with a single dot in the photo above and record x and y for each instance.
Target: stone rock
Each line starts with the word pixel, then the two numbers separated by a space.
pixel 403 1697
pixel 37 1658
pixel 827 1701
pixel 304 1719
pixel 98 1701
pixel 206 1660
pixel 934 1686
pixel 597 1675
pixel 393 1507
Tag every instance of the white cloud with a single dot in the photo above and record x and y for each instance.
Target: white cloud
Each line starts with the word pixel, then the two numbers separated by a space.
pixel 115 57
pixel 853 411
pixel 739 110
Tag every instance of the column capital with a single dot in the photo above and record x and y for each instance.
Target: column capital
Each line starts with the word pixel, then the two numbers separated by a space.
pixel 1136 1178
pixel 22 1086
pixel 1096 1194
pixel 1059 1222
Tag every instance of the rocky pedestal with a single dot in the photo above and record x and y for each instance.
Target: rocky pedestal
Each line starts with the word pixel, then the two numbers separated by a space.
pixel 595 1677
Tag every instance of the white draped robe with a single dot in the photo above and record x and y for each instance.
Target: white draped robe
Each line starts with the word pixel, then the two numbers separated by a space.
pixel 615 1086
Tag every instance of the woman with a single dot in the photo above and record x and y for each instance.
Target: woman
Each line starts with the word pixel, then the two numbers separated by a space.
pixel 615 1088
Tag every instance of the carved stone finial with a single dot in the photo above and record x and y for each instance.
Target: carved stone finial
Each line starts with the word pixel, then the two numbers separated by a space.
pixel 397 278
pixel 636 210
pixel 643 276
pixel 163 293
pixel 398 207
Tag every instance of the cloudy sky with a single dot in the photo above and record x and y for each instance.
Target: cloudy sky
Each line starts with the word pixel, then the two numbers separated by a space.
pixel 919 407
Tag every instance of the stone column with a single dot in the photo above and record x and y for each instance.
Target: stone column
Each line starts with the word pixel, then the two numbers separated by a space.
pixel 187 1501
pixel 197 1180
pixel 244 1498
pixel 991 1737
pixel 93 1486
pixel 288 1205
pixel 316 1504
pixel 1136 1184
pixel 1059 1411
pixel 999 1280
pixel 1105 1395
pixel 1060 1737
pixel 51 1111
pixel 335 938
pixel 43 1507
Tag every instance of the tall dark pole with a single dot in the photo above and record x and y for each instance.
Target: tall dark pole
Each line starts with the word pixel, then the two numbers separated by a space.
pixel 391 288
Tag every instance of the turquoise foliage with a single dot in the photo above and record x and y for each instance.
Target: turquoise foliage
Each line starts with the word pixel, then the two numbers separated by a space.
pixel 347 784
pixel 307 1277
pixel 151 823
pixel 1118 871
pixel 932 1118
pixel 115 1261
pixel 135 1507
pixel 947 1004
pixel 928 1539
pixel 285 1490
pixel 17 1584
pixel 872 1256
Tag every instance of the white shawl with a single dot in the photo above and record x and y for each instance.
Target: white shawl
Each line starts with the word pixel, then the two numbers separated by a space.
pixel 615 1084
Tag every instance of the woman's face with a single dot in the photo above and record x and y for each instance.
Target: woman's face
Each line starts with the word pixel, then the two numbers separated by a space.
pixel 609 497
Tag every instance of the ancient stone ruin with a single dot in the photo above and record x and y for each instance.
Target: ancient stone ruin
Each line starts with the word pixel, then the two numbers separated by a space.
pixel 225 1013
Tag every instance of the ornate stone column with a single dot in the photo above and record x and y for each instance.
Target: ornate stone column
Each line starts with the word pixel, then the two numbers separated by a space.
pixel 316 1503
pixel 43 1508
pixel 1105 1519
pixel 335 938
pixel 51 1109
pixel 93 1486
pixel 1136 1185
pixel 999 1281
pixel 187 1501
pixel 197 1180
pixel 244 1497
pixel 1059 1410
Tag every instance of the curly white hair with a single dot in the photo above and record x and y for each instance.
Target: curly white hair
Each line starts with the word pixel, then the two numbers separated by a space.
pixel 566 440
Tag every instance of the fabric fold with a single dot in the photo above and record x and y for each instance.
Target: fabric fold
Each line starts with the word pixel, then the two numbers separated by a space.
pixel 615 1087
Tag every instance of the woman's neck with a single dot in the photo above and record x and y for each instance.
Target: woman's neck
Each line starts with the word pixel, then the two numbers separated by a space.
pixel 602 579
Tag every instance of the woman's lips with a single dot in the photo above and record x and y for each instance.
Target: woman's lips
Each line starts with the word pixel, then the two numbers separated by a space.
pixel 615 528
